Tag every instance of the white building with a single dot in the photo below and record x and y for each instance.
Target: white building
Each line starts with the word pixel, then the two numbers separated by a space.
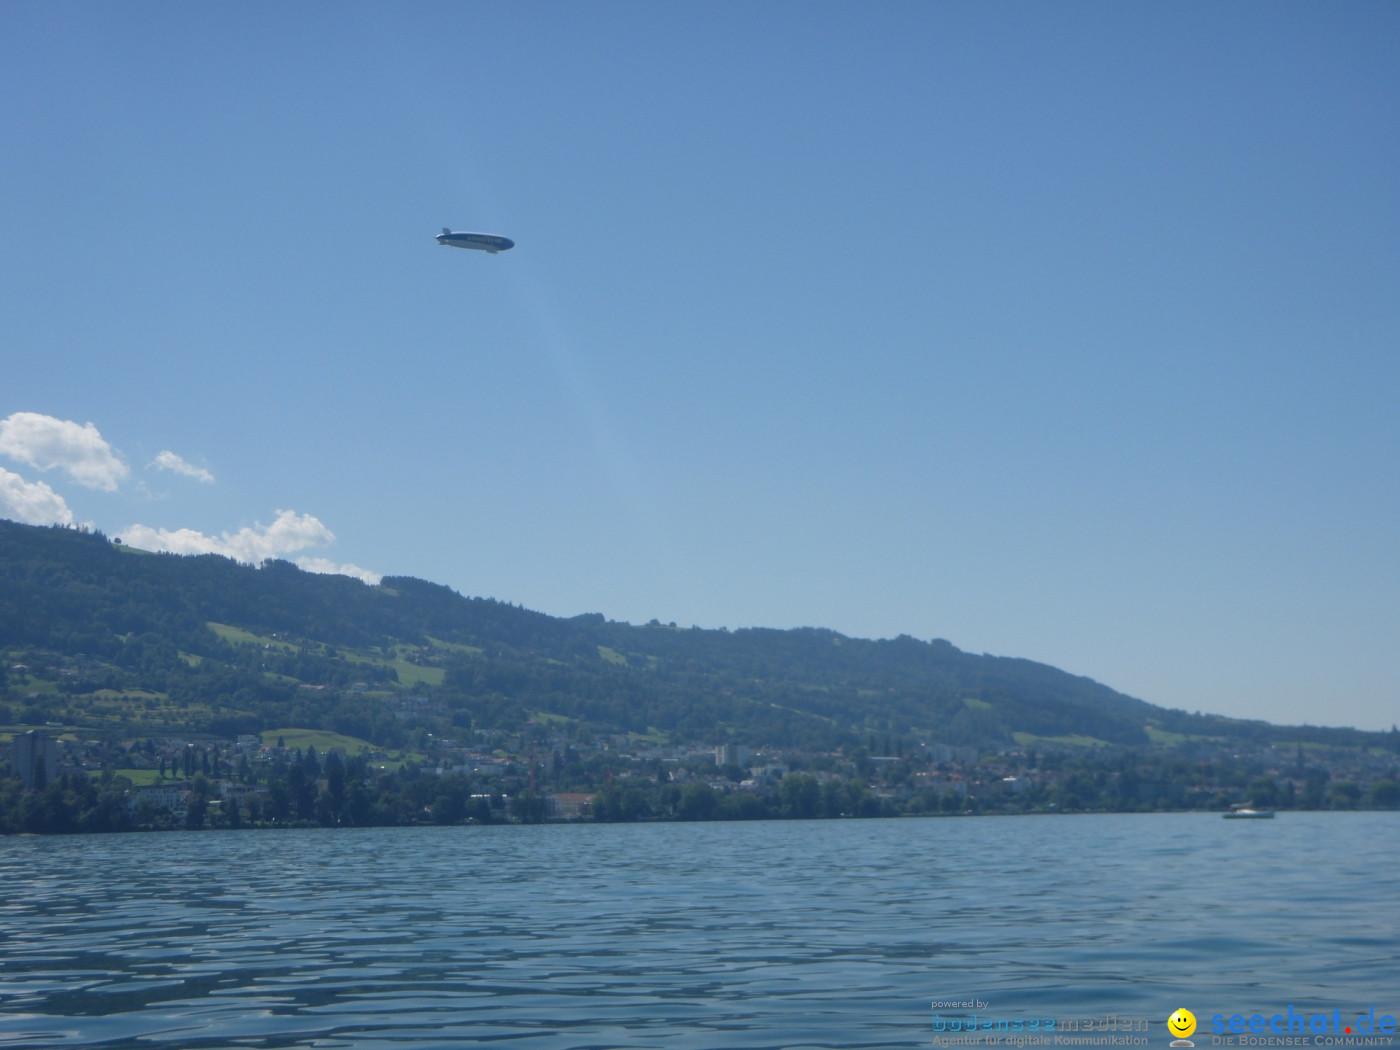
pixel 570 805
pixel 162 796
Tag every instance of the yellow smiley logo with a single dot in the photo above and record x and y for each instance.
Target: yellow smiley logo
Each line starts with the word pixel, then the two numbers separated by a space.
pixel 1182 1023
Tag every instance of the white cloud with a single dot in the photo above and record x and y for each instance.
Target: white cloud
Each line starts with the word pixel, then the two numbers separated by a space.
pixel 31 502
pixel 291 532
pixel 337 569
pixel 45 442
pixel 168 460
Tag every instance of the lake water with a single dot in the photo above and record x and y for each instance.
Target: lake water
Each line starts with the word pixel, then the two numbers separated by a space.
pixel 770 934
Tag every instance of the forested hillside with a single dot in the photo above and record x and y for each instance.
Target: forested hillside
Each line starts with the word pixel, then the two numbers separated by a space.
pixel 100 634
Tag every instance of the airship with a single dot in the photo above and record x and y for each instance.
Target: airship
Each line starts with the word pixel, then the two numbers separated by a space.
pixel 482 242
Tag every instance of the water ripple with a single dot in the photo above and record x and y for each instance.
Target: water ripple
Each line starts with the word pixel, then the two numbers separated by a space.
pixel 814 934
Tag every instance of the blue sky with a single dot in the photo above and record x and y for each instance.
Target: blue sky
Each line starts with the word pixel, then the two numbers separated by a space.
pixel 1058 331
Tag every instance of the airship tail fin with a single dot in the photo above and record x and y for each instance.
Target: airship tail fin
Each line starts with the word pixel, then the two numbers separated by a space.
pixel 445 230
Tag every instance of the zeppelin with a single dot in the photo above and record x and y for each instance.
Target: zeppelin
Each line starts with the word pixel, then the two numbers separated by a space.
pixel 482 242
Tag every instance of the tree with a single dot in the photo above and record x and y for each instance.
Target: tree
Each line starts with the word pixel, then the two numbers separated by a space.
pixel 279 801
pixel 1314 785
pixel 744 805
pixel 801 796
pixel 197 803
pixel 1263 792
pixel 303 792
pixel 479 810
pixel 528 808
pixel 335 782
pixel 1385 794
pixel 358 805
pixel 616 804
pixel 698 802
pixel 833 799
pixel 1344 795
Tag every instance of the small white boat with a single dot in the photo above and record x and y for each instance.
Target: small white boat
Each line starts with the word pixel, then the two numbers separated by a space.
pixel 1244 811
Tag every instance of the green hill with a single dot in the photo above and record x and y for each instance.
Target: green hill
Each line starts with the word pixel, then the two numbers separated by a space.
pixel 122 640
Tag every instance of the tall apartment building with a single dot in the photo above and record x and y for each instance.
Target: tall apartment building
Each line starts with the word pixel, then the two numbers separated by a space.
pixel 35 757
pixel 731 755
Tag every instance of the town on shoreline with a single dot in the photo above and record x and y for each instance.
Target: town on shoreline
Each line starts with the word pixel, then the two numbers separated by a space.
pixel 143 691
pixel 57 781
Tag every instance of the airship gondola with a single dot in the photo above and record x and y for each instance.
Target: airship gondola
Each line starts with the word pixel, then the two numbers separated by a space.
pixel 482 242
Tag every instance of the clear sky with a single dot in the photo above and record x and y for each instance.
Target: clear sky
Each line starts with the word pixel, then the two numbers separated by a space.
pixel 1064 331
